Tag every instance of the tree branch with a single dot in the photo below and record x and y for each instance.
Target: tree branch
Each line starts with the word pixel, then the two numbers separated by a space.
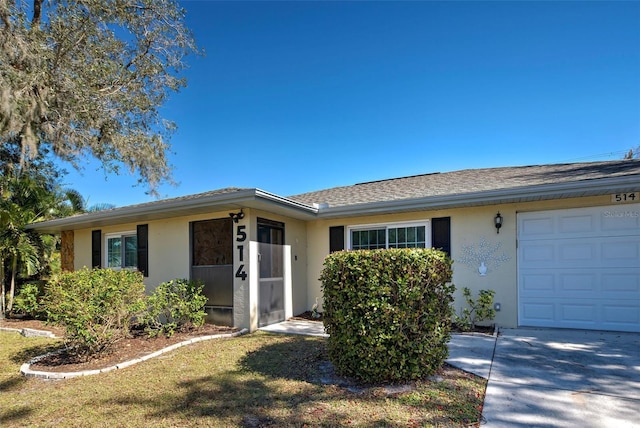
pixel 37 13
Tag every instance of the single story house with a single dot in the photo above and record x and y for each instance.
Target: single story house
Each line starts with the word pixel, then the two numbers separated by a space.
pixel 559 244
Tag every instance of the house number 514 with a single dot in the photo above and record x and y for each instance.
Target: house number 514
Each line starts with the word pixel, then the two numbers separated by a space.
pixel 626 197
pixel 241 237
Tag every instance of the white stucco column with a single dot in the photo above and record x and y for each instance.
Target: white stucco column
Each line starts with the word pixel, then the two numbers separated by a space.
pixel 288 287
pixel 245 280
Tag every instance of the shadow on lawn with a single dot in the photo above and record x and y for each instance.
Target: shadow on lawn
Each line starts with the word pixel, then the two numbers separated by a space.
pixel 281 383
pixel 298 358
pixel 233 399
pixel 31 352
pixel 276 385
pixel 8 416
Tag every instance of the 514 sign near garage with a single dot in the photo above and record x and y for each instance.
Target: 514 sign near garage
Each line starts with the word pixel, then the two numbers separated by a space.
pixel 621 198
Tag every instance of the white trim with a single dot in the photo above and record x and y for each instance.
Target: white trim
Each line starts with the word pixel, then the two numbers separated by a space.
pixel 392 225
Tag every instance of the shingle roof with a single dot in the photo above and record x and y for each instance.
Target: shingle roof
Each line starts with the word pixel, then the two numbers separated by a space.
pixel 468 181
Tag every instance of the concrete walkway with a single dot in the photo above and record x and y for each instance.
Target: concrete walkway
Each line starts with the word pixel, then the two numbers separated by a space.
pixel 544 377
pixel 306 328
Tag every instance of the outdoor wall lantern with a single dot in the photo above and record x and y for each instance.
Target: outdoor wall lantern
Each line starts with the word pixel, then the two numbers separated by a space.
pixel 498 222
pixel 236 216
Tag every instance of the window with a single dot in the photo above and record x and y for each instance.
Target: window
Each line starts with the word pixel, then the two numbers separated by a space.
pixel 122 250
pixel 412 235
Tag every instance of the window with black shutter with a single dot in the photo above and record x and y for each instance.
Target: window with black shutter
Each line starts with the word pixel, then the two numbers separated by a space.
pixel 142 232
pixel 336 238
pixel 96 249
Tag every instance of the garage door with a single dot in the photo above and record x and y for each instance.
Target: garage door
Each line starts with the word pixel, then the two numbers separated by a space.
pixel 580 268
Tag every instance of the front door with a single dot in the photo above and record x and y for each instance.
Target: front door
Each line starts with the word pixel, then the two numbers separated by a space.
pixel 271 282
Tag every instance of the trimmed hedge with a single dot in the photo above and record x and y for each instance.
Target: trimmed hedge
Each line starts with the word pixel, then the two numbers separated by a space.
pixel 388 312
pixel 96 307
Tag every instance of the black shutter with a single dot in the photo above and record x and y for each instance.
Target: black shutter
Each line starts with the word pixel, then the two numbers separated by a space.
pixel 96 249
pixel 142 232
pixel 336 238
pixel 441 234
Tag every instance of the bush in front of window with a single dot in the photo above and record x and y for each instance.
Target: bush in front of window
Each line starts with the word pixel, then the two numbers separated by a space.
pixel 388 312
pixel 96 307
pixel 176 305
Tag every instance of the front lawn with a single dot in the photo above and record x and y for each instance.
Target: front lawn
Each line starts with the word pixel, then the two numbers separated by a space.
pixel 256 380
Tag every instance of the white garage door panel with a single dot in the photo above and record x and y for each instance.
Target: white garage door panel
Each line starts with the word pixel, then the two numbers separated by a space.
pixel 600 283
pixel 616 315
pixel 618 251
pixel 580 268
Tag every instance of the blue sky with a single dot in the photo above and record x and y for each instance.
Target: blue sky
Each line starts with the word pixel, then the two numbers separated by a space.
pixel 299 96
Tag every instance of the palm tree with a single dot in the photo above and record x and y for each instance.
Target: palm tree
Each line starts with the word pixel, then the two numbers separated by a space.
pixel 78 204
pixel 21 251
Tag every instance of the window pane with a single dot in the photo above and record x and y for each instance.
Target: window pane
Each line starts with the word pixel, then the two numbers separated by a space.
pixel 114 252
pixel 382 238
pixel 368 239
pixel 130 251
pixel 402 235
pixel 421 234
pixel 411 234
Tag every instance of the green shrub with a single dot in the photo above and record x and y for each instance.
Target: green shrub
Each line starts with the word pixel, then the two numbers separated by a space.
pixel 477 310
pixel 96 307
pixel 174 306
pixel 27 301
pixel 388 312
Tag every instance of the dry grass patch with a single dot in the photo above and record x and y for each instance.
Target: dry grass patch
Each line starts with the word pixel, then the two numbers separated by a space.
pixel 253 381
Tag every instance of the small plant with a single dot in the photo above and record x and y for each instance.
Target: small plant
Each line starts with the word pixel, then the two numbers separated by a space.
pixel 314 311
pixel 174 306
pixel 27 300
pixel 477 310
pixel 96 307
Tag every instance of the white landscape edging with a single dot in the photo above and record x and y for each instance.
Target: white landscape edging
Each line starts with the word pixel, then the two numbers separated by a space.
pixel 26 371
pixel 30 332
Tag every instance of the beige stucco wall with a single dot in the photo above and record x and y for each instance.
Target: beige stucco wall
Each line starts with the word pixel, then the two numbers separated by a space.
pixel 472 233
pixel 168 246
pixel 82 248
pixel 169 255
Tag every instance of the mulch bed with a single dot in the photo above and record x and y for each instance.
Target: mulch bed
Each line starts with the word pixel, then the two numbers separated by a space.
pixel 131 348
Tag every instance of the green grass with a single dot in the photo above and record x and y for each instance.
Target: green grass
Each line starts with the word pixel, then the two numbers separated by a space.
pixel 254 380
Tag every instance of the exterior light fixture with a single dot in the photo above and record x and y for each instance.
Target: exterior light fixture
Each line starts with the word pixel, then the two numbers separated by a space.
pixel 236 216
pixel 498 222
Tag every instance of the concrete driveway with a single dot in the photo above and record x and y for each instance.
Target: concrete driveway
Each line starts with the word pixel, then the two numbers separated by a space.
pixel 564 378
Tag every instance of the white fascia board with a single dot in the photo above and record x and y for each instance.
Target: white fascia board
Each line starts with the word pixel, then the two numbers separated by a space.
pixel 593 187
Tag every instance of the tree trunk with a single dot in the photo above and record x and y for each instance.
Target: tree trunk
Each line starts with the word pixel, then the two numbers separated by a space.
pixel 12 288
pixel 2 301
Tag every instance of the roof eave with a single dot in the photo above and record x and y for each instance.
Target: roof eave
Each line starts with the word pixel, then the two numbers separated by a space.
pixel 247 198
pixel 595 187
